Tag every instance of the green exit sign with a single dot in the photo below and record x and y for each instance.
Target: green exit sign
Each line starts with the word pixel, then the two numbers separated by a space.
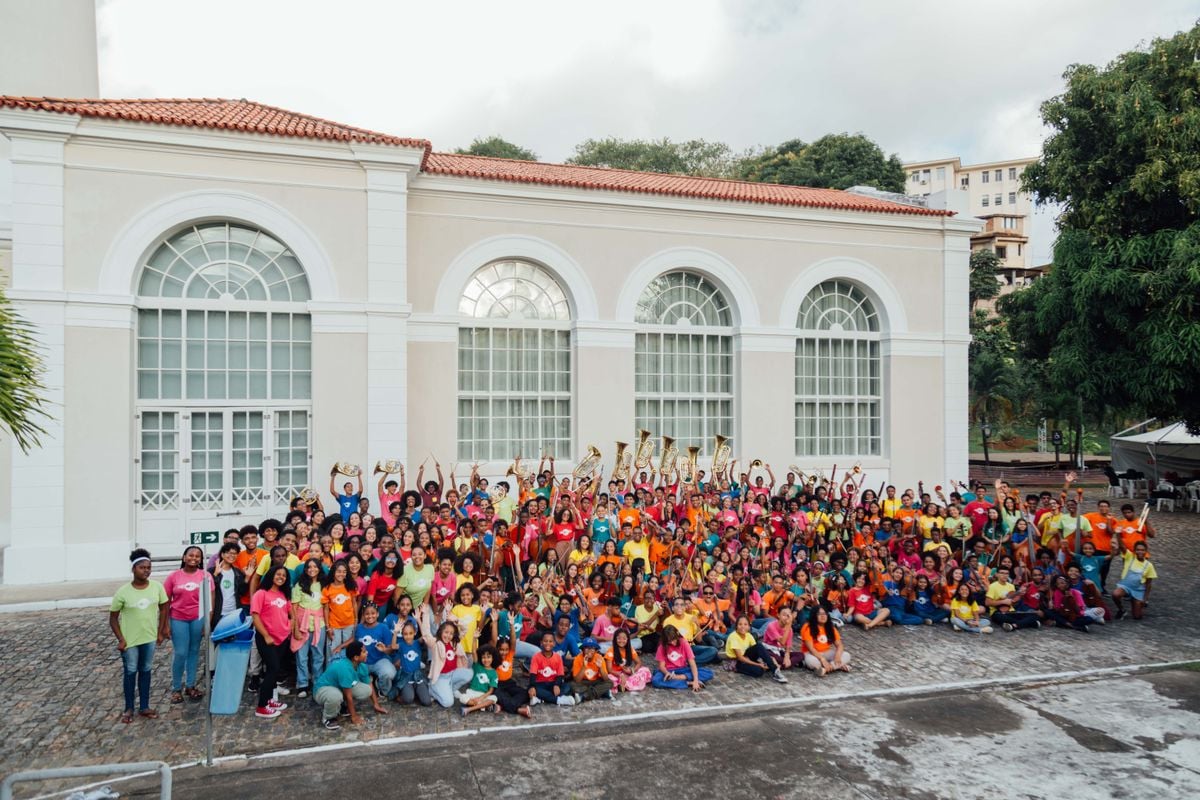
pixel 206 537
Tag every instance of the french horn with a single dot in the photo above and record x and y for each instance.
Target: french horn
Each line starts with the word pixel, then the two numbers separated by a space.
pixel 756 464
pixel 308 495
pixel 391 466
pixel 347 469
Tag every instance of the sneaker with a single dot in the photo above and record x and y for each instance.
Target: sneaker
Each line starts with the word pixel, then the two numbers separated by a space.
pixel 282 691
pixel 928 621
pixel 1008 626
pixel 535 700
pixel 610 695
pixel 1037 625
pixel 344 712
pixel 1120 613
pixel 330 725
pixel 837 623
pixel 278 706
pixel 988 629
pixel 566 700
pixel 778 677
pixel 266 712
pixel 956 629
pixel 578 698
pixel 462 710
pixel 253 684
pixel 302 693
pixel 1084 629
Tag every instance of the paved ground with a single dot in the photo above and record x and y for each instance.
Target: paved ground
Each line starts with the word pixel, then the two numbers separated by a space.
pixel 61 688
pixel 1126 737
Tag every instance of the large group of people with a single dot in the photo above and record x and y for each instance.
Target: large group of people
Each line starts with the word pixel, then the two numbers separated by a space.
pixel 545 589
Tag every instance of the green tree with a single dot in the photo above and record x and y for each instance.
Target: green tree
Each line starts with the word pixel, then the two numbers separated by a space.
pixel 983 284
pixel 496 147
pixel 835 161
pixel 22 396
pixel 1116 318
pixel 693 157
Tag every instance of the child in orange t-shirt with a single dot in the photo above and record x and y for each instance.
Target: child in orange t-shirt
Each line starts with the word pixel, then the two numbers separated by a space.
pixel 589 673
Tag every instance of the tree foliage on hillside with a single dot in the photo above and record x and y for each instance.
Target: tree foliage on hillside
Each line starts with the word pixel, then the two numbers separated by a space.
pixel 693 157
pixel 835 161
pixel 1117 317
pixel 496 147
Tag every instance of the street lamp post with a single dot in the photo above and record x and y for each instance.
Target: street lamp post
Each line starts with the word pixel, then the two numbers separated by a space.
pixel 986 430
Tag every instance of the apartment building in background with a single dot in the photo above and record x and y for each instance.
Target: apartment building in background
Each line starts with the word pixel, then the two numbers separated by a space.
pixel 992 192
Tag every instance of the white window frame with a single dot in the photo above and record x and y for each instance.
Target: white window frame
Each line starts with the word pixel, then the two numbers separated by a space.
pixel 822 415
pixel 685 405
pixel 539 412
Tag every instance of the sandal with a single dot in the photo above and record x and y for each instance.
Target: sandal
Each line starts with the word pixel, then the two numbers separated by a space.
pixel 176 698
pixel 149 713
pixel 127 717
pixel 194 693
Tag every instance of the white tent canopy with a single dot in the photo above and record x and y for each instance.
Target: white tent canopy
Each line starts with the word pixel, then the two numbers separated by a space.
pixel 1158 452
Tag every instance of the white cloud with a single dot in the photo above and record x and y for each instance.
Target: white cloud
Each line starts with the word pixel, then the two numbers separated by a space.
pixel 925 79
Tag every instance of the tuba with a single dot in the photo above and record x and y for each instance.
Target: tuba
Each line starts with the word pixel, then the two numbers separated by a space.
pixel 669 455
pixel 645 450
pixel 621 464
pixel 687 466
pixel 391 466
pixel 588 464
pixel 721 454
pixel 347 469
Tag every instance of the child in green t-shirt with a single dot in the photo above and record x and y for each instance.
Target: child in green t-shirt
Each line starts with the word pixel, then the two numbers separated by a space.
pixel 478 694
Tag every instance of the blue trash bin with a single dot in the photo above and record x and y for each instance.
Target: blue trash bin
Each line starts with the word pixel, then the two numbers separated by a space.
pixel 233 637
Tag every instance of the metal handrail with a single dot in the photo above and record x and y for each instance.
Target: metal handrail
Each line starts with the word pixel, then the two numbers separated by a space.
pixel 163 770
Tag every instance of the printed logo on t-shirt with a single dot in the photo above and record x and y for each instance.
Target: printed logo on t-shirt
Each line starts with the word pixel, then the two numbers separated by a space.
pixel 341 599
pixel 546 672
pixel 411 655
pixel 368 640
pixel 590 674
pixel 675 656
pixel 823 639
pixel 142 603
pixel 190 586
pixel 279 602
pixel 389 587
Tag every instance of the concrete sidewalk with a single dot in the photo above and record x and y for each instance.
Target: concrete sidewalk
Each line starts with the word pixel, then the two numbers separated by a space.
pixel 52 596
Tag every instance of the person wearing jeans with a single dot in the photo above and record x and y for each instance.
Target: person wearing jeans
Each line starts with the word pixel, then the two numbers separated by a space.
pixel 138 618
pixel 183 587
pixel 345 684
pixel 448 670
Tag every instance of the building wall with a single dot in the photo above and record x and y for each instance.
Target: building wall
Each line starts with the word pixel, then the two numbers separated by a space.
pixel 388 255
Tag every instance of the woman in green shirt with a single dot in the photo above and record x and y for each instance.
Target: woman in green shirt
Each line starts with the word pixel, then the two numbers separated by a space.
pixel 138 618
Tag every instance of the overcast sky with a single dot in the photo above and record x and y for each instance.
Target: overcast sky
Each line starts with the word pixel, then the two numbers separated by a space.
pixel 925 79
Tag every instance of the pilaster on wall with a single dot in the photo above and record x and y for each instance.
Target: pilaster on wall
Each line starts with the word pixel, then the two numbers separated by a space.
pixel 36 484
pixel 956 257
pixel 387 314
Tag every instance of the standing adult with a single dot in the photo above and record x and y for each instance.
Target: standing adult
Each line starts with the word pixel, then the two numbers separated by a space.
pixel 183 587
pixel 138 618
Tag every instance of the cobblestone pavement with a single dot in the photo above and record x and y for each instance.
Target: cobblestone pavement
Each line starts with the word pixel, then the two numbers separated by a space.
pixel 60 677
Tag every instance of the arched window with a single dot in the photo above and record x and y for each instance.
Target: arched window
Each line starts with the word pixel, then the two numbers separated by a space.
pixel 683 360
pixel 224 376
pixel 514 364
pixel 839 386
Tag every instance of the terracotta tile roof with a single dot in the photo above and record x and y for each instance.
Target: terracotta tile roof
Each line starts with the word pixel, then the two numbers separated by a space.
pixel 217 114
pixel 250 117
pixel 619 180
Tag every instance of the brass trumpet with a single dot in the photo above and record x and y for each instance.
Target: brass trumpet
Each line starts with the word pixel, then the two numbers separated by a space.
pixel 669 455
pixel 687 466
pixel 620 466
pixel 391 466
pixel 756 464
pixel 347 469
pixel 721 454
pixel 645 450
pixel 588 464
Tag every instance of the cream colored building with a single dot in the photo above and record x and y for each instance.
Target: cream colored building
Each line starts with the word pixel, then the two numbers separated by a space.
pixel 230 298
pixel 993 193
